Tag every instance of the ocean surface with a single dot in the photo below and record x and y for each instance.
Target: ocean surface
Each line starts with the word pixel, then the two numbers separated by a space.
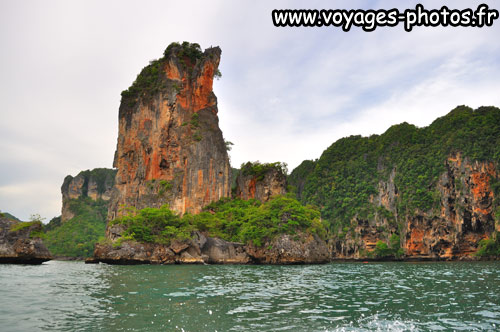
pixel 72 296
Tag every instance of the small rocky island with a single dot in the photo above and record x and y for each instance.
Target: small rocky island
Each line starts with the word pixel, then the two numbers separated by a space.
pixel 172 163
pixel 20 244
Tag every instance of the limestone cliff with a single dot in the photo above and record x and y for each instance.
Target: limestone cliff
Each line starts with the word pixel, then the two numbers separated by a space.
pixel 464 217
pixel 414 193
pixel 261 181
pixel 466 213
pixel 170 149
pixel 96 184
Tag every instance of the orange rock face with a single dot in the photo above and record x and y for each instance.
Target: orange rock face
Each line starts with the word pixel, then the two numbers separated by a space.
pixel 170 149
pixel 481 190
pixel 271 184
pixel 415 244
pixel 453 231
pixel 466 213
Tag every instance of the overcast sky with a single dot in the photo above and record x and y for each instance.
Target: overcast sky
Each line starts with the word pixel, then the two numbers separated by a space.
pixel 286 94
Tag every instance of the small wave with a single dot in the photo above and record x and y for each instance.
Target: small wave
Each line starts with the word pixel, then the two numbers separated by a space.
pixel 376 323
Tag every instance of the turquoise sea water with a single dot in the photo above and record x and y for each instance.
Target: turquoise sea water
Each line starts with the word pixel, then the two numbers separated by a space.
pixel 72 296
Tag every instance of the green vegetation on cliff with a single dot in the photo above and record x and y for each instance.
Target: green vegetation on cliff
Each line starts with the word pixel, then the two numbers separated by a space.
pixel 152 79
pixel 384 250
pixel 259 170
pixel 230 219
pixel 489 247
pixel 23 225
pixel 34 226
pixel 8 216
pixel 343 180
pixel 153 225
pixel 244 221
pixel 77 236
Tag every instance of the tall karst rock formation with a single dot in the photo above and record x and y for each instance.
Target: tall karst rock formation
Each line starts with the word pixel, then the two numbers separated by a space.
pixel 170 149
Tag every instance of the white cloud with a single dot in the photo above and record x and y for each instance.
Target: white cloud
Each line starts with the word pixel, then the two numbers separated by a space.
pixel 453 84
pixel 33 197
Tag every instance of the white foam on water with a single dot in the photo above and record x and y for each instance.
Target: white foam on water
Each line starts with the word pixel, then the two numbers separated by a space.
pixel 375 323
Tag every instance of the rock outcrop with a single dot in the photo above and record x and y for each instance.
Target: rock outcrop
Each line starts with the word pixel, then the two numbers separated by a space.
pixel 198 250
pixel 465 217
pixel 96 184
pixel 170 149
pixel 260 181
pixel 291 249
pixel 202 249
pixel 19 244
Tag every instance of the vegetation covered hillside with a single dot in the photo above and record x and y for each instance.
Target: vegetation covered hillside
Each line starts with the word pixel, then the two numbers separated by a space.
pixel 344 180
pixel 77 236
pixel 85 202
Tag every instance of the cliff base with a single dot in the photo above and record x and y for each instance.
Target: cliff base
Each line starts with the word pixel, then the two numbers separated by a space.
pixel 202 249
